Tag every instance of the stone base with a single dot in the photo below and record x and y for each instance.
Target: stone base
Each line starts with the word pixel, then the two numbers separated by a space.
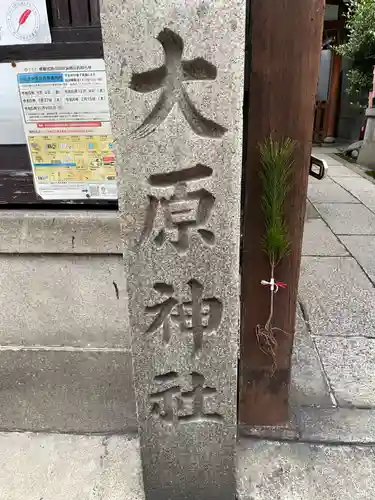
pixel 329 140
pixel 366 155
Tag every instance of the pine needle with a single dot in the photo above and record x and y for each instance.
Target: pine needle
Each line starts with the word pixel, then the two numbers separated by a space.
pixel 277 161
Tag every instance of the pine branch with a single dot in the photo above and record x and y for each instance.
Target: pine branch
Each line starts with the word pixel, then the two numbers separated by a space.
pixel 277 162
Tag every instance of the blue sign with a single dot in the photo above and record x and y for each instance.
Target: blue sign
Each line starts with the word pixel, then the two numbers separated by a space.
pixel 40 78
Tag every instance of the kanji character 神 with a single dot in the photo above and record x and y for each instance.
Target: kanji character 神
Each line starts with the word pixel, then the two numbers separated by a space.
pixel 183 211
pixel 197 317
pixel 172 404
pixel 170 78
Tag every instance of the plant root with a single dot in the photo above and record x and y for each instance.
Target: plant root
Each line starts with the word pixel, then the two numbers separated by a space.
pixel 268 343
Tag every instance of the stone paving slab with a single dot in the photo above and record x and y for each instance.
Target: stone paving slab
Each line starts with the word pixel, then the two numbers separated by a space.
pixel 311 212
pixel 327 191
pixel 338 170
pixel 300 471
pixel 350 367
pixel 363 250
pixel 308 385
pixel 347 218
pixel 340 425
pixel 318 239
pixel 312 424
pixel 61 467
pixel 361 188
pixel 332 162
pixel 338 296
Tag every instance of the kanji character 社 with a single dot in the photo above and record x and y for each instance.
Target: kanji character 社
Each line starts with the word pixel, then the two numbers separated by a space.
pixel 172 404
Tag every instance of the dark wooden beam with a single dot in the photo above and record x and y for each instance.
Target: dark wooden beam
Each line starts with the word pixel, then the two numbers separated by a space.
pixel 286 40
pixel 94 13
pixel 79 12
pixel 61 50
pixel 60 12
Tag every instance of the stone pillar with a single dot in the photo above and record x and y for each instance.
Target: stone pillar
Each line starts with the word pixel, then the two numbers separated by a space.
pixel 175 76
pixel 366 155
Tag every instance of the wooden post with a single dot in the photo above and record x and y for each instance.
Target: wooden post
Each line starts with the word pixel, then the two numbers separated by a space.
pixel 285 43
pixel 333 99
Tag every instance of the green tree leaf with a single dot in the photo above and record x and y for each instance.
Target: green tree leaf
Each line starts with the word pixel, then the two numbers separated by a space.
pixel 359 46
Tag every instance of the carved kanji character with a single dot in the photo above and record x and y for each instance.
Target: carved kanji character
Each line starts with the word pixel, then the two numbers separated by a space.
pixel 197 317
pixel 183 211
pixel 172 404
pixel 170 78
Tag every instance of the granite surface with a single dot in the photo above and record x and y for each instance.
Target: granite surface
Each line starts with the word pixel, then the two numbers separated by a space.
pixel 363 250
pixel 66 391
pixel 308 386
pixel 60 300
pixel 100 467
pixel 347 218
pixel 175 77
pixel 59 231
pixel 304 471
pixel 361 188
pixel 337 425
pixel 328 191
pixel 338 297
pixel 350 367
pixel 319 240
pixel 61 466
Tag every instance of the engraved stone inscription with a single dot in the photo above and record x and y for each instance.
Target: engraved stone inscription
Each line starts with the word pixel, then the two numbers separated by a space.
pixel 170 77
pixel 175 75
pixel 197 317
pixel 171 404
pixel 182 212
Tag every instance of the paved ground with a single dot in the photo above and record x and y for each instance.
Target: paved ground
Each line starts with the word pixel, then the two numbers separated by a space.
pixel 337 306
pixel 61 467
pixel 328 449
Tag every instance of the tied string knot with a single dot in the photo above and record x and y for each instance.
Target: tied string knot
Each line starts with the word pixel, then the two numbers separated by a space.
pixel 274 285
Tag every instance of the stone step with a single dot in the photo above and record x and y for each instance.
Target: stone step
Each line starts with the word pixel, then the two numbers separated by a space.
pixel 66 390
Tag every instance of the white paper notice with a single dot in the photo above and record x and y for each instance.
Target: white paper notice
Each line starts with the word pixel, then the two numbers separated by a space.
pixel 24 22
pixel 68 129
pixel 11 123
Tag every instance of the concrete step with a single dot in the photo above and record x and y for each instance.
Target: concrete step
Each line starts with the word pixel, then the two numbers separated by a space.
pixel 66 390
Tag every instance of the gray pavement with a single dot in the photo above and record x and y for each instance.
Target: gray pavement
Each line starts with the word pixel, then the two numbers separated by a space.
pixel 60 467
pixel 336 292
pixel 336 300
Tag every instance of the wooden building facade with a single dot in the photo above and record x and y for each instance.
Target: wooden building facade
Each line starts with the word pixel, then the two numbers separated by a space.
pixel 335 117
